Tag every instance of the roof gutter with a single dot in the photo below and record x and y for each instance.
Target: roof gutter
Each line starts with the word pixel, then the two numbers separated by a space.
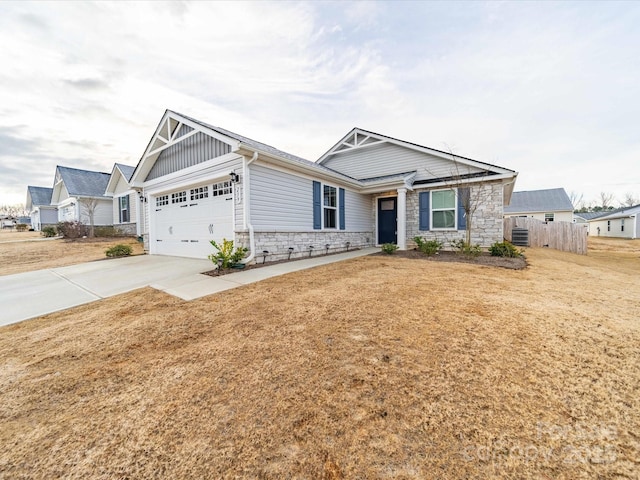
pixel 320 172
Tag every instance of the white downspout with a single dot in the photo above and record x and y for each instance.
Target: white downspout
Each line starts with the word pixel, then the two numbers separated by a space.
pixel 246 214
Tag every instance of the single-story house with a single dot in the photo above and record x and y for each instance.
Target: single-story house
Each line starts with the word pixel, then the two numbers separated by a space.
pixel 39 206
pixel 550 205
pixel 79 194
pixel 201 183
pixel 585 217
pixel 125 200
pixel 622 223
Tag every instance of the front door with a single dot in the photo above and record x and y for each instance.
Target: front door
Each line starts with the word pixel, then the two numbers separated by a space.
pixel 387 220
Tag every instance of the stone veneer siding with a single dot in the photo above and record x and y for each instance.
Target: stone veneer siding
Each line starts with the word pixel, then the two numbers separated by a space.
pixel 126 228
pixel 278 243
pixel 486 223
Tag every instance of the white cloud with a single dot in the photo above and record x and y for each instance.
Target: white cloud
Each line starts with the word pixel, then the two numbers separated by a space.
pixel 546 89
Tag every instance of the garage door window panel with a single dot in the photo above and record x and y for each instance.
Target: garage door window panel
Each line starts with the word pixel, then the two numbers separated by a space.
pixel 179 197
pixel 199 193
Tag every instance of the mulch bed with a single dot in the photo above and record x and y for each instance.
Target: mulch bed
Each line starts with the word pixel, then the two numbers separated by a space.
pixel 484 259
pixel 444 256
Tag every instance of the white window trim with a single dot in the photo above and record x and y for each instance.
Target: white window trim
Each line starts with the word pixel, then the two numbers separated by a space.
pixel 455 210
pixel 551 215
pixel 120 209
pixel 336 208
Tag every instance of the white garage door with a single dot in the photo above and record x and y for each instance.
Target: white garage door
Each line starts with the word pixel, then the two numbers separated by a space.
pixel 186 221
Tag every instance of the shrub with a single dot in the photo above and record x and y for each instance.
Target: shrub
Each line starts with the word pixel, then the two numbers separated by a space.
pixel 49 231
pixel 119 250
pixel 428 247
pixel 21 227
pixel 73 229
pixel 105 232
pixel 505 249
pixel 226 254
pixel 466 249
pixel 389 248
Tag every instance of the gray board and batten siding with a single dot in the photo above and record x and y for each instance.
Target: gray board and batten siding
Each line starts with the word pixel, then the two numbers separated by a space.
pixel 189 152
pixel 284 202
pixel 387 158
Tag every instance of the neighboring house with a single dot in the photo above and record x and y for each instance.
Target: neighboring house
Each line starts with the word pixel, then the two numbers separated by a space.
pixel 77 192
pixel 7 222
pixel 622 223
pixel 551 205
pixel 584 217
pixel 125 200
pixel 203 183
pixel 39 206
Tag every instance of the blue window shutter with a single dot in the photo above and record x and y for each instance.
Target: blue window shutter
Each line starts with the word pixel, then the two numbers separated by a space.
pixel 341 202
pixel 424 211
pixel 317 206
pixel 463 199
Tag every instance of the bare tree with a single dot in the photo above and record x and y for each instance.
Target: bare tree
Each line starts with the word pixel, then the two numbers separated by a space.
pixel 89 208
pixel 577 200
pixel 17 210
pixel 606 200
pixel 630 200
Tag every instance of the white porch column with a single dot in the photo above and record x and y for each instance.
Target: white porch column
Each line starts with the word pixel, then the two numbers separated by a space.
pixel 402 218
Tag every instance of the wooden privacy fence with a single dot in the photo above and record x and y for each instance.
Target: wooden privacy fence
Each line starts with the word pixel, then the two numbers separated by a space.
pixel 565 236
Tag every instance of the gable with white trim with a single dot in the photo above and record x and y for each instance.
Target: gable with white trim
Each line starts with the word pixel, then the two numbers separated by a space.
pixel 364 155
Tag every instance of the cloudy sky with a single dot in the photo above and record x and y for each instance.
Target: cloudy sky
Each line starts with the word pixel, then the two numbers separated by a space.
pixel 551 90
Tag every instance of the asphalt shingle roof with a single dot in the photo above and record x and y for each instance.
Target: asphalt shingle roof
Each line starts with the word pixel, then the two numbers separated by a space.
pixel 265 148
pixel 40 195
pixel 591 215
pixel 620 212
pixel 550 200
pixel 126 170
pixel 84 183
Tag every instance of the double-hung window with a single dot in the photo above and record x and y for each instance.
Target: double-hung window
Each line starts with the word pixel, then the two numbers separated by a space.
pixel 549 217
pixel 443 209
pixel 330 206
pixel 123 203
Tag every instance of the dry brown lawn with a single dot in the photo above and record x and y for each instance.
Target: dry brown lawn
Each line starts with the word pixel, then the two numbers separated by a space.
pixel 378 367
pixel 38 253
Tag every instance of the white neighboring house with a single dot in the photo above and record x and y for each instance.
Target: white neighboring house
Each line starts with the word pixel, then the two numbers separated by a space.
pixel 202 183
pixel 75 191
pixel 550 205
pixel 622 223
pixel 39 206
pixel 125 200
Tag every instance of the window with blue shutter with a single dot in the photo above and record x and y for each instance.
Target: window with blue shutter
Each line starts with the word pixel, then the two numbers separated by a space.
pixel 464 197
pixel 343 225
pixel 317 206
pixel 424 211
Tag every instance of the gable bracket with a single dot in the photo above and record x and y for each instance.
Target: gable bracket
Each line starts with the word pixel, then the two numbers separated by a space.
pixel 172 142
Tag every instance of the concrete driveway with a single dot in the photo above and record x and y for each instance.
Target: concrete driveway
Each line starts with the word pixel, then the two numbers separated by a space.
pixel 31 294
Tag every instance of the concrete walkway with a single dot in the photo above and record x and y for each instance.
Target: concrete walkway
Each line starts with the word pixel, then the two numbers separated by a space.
pixel 31 294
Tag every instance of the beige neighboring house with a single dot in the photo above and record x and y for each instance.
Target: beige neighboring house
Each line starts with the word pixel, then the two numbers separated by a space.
pixel 621 223
pixel 126 201
pixel 550 205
